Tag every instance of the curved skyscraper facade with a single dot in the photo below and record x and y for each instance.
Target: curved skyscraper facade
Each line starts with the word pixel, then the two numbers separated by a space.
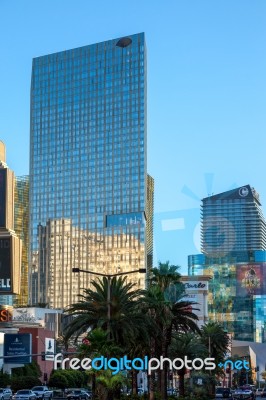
pixel 233 241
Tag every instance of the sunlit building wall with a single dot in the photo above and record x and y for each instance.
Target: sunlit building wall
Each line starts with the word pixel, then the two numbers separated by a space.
pixel 22 230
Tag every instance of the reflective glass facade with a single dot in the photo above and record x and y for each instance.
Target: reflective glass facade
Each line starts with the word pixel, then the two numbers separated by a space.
pixel 232 221
pixel 88 166
pixel 22 230
pixel 237 292
pixel 233 239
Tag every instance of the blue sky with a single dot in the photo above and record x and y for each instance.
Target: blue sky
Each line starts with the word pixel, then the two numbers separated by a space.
pixel 206 93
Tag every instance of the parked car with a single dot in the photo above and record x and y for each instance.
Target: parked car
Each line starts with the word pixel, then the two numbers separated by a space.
pixel 263 393
pixel 78 394
pixel 5 394
pixel 24 394
pixel 243 394
pixel 42 392
pixel 258 391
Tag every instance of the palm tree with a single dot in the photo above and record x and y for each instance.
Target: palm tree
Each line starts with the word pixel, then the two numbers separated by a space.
pixel 186 344
pixel 97 344
pixel 92 310
pixel 110 385
pixel 169 314
pixel 165 275
pixel 217 341
pixel 114 335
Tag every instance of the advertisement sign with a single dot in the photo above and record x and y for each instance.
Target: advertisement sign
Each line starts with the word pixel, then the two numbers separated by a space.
pixel 251 279
pixel 196 285
pixel 3 198
pixel 6 314
pixel 5 264
pixel 17 348
pixel 49 349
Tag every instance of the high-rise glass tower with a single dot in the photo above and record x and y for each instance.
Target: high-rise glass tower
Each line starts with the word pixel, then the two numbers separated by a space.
pixel 232 221
pixel 233 239
pixel 91 200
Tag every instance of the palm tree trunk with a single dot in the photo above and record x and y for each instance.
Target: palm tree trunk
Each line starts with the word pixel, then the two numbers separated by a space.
pixel 152 386
pixel 164 373
pixel 134 381
pixel 163 390
pixel 181 374
pixel 93 384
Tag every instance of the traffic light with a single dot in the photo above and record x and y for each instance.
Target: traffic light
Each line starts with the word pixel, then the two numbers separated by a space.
pixel 43 355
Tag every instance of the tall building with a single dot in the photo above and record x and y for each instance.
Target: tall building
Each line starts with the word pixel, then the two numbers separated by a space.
pixel 233 239
pixel 91 199
pixel 232 221
pixel 10 244
pixel 22 230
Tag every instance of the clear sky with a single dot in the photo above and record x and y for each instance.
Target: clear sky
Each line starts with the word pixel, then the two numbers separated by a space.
pixel 206 94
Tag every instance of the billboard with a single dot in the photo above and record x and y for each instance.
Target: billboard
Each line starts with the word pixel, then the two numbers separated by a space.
pixel 10 264
pixel 17 348
pixel 5 264
pixel 49 349
pixel 251 279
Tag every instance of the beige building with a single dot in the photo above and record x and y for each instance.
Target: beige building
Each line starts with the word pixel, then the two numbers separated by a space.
pixel 63 247
pixel 197 288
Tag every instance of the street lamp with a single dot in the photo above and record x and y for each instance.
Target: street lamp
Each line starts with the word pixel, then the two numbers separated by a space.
pixel 109 276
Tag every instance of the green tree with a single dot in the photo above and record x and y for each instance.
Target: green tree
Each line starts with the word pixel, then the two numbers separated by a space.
pixel 24 382
pixel 165 275
pixel 163 302
pixel 59 379
pixel 92 310
pixel 186 344
pixel 32 369
pixel 113 336
pixel 216 340
pixel 109 385
pixel 5 379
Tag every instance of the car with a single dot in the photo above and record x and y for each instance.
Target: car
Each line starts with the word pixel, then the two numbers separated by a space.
pixel 5 394
pixel 263 393
pixel 243 394
pixel 42 392
pixel 24 394
pixel 78 394
pixel 258 391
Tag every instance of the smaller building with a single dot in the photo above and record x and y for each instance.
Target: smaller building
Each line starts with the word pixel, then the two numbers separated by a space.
pixel 197 288
pixel 41 317
pixel 43 341
pixel 255 352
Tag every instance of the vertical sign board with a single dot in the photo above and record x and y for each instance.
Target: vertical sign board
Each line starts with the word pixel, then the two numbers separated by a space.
pixel 3 204
pixel 49 349
pixel 17 348
pixel 5 265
